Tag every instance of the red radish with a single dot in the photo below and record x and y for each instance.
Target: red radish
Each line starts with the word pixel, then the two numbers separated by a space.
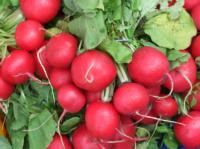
pixel 128 129
pixel 144 120
pixel 148 66
pixel 17 67
pixel 195 15
pixel 182 75
pixel 56 143
pixel 189 4
pixel 39 71
pixel 40 10
pixel 60 77
pixel 166 107
pixel 130 98
pixel 6 89
pixel 92 96
pixel 195 96
pixel 83 139
pixel 102 120
pixel 29 35
pixel 194 48
pixel 61 50
pixel 70 98
pixel 188 134
pixel 93 70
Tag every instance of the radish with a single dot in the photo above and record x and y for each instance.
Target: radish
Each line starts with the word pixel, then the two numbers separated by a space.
pixel 60 77
pixel 188 135
pixel 40 10
pixel 145 120
pixel 70 98
pixel 93 70
pixel 92 96
pixel 195 15
pixel 83 139
pixel 189 4
pixel 18 67
pixel 183 76
pixel 171 2
pixel 130 98
pixel 102 120
pixel 56 143
pixel 6 89
pixel 61 50
pixel 148 66
pixel 167 107
pixel 194 48
pixel 127 135
pixel 29 35
pixel 39 71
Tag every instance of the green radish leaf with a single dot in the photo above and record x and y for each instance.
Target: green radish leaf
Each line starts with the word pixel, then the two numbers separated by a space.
pixel 162 129
pixel 193 102
pixel 152 144
pixel 70 124
pixel 170 140
pixel 172 34
pixel 41 127
pixel 91 4
pixel 91 29
pixel 4 143
pixel 119 52
pixel 177 58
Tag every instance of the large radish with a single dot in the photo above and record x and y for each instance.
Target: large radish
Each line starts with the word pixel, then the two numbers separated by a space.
pixel 102 120
pixel 40 10
pixel 18 67
pixel 148 66
pixel 61 50
pixel 93 70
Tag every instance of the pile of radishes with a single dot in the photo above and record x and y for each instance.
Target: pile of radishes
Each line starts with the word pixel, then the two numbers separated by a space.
pixel 80 78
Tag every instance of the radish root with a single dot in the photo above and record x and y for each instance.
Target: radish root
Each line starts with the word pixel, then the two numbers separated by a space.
pixel 88 78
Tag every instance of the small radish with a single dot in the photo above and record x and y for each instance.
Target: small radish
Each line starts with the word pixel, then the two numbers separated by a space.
pixel 6 89
pixel 40 10
pixel 189 4
pixel 188 134
pixel 92 96
pixel 130 98
pixel 39 71
pixel 61 50
pixel 148 66
pixel 102 120
pixel 59 77
pixel 29 35
pixel 56 143
pixel 18 67
pixel 194 48
pixel 93 70
pixel 166 107
pixel 70 98
pixel 183 76
pixel 145 120
pixel 195 15
pixel 83 139
pixel 126 135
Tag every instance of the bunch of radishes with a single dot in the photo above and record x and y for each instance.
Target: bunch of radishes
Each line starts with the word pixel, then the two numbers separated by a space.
pixel 80 79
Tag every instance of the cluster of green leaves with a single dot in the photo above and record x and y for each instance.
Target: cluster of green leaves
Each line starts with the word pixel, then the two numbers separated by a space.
pixel 32 117
pixel 4 4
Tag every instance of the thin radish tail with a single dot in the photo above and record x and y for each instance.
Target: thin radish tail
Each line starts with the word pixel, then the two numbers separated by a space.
pixel 159 119
pixel 58 127
pixel 45 72
pixel 88 78
pixel 35 79
pixel 188 94
pixel 142 118
pixel 171 89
